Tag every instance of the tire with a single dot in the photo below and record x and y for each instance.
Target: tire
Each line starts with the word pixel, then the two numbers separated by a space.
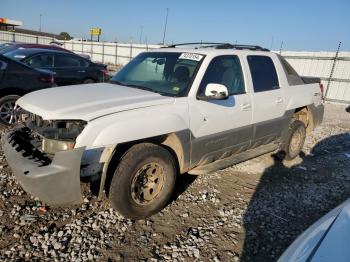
pixel 143 181
pixel 295 140
pixel 8 115
pixel 89 81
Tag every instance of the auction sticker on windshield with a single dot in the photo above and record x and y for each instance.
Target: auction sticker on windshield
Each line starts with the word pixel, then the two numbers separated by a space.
pixel 191 56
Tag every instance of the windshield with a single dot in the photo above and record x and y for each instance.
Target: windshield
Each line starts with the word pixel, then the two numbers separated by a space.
pixel 165 73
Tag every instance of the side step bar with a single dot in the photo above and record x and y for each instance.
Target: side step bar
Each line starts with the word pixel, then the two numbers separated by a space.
pixel 232 160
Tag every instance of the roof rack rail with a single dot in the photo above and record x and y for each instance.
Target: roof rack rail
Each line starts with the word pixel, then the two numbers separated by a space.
pixel 242 47
pixel 221 46
pixel 195 43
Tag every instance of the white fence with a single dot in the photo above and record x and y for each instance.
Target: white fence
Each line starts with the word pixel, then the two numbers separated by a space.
pixel 334 71
pixel 110 53
pixel 319 64
pixel 105 52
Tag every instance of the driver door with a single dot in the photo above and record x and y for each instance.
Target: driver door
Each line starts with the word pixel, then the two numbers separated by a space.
pixel 221 128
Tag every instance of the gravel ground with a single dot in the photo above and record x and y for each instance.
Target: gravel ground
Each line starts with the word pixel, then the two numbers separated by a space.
pixel 250 212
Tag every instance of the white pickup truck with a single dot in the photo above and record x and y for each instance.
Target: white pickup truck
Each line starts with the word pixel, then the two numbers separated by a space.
pixel 168 112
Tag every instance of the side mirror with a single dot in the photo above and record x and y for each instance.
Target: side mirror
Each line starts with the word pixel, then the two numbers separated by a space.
pixel 216 92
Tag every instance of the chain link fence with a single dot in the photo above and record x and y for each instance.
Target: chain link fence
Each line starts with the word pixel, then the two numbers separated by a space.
pixel 332 67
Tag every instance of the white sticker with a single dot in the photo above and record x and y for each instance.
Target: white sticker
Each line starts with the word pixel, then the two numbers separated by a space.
pixel 191 56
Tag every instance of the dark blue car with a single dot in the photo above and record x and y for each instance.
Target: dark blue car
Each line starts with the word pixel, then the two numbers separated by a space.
pixel 69 68
pixel 16 80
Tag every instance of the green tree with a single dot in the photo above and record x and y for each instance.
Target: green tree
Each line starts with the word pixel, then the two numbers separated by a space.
pixel 65 35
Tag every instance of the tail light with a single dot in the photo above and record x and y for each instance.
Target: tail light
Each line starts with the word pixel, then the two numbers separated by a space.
pixel 105 74
pixel 105 71
pixel 47 79
pixel 322 89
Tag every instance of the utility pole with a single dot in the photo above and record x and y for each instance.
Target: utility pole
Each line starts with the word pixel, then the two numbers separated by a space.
pixel 141 31
pixel 40 22
pixel 281 47
pixel 165 25
pixel 332 70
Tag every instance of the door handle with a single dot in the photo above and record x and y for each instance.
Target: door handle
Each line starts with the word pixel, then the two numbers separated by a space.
pixel 81 71
pixel 279 100
pixel 246 106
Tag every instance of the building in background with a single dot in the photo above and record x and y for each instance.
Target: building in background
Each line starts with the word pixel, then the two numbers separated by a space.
pixel 8 24
pixel 12 26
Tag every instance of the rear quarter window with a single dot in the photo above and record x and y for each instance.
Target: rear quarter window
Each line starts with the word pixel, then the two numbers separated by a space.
pixel 67 61
pixel 263 73
pixel 292 76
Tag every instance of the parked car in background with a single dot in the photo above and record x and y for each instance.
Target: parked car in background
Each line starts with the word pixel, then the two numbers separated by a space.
pixel 69 69
pixel 17 79
pixel 326 240
pixel 9 47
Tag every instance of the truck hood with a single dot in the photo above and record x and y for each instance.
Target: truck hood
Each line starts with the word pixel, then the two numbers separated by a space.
pixel 326 240
pixel 87 102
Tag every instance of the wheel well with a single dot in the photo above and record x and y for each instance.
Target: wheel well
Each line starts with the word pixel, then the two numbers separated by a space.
pixel 12 91
pixel 304 114
pixel 169 142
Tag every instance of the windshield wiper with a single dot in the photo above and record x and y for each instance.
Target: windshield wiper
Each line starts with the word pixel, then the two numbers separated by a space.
pixel 115 82
pixel 145 88
pixel 137 86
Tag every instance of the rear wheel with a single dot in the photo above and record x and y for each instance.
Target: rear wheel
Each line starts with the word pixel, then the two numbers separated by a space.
pixel 9 113
pixel 143 182
pixel 295 140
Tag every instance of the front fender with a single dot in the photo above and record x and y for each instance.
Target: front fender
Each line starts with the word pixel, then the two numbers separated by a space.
pixel 134 125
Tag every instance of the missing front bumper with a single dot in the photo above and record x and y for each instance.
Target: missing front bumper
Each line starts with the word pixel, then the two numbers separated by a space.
pixel 56 182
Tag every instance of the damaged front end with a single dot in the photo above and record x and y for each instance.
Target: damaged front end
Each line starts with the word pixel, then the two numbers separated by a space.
pixel 54 135
pixel 42 156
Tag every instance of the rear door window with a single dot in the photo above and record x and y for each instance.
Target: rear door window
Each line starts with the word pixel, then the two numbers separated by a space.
pixel 67 61
pixel 40 61
pixel 263 73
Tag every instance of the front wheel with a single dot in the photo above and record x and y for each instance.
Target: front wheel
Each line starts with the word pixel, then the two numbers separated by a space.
pixel 143 182
pixel 9 113
pixel 295 140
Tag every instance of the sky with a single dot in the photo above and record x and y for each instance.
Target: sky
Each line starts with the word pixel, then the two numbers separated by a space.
pixel 301 24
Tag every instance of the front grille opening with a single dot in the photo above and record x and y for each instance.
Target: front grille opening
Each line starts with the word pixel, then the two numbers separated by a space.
pixel 25 142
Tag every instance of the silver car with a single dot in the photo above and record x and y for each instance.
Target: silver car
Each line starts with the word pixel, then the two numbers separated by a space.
pixel 326 240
